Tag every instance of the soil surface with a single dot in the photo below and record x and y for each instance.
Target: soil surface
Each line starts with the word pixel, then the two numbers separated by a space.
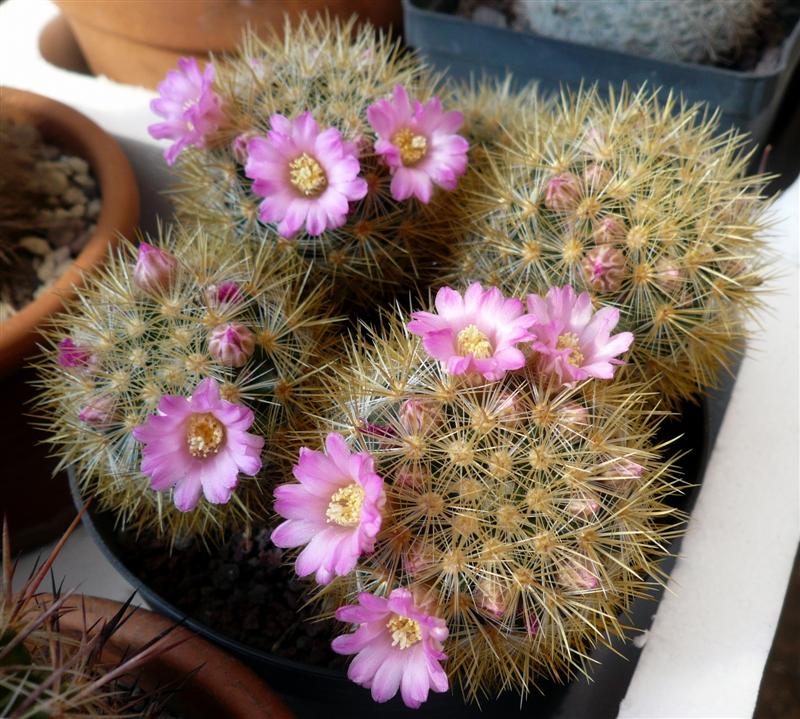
pixel 245 590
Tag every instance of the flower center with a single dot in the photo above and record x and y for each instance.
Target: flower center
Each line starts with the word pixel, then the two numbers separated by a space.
pixel 569 340
pixel 204 435
pixel 405 631
pixel 472 341
pixel 307 175
pixel 344 508
pixel 412 146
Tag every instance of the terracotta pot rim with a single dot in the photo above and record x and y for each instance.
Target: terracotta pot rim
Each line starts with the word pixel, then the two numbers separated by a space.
pixel 214 684
pixel 119 213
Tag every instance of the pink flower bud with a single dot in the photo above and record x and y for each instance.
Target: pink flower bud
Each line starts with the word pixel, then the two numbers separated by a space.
pixel 593 141
pixel 608 230
pixel 669 275
pixel 509 408
pixel 418 415
pixel 225 293
pixel 603 268
pixel 622 475
pixel 596 176
pixel 573 417
pixel 239 146
pixel 155 269
pixel 490 598
pixel 532 624
pixel 98 412
pixel 232 344
pixel 418 558
pixel 577 577
pixel 583 506
pixel 563 192
pixel 72 355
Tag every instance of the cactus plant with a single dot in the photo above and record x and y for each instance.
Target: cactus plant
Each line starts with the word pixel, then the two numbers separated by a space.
pixel 641 201
pixel 520 516
pixel 335 73
pixel 190 316
pixel 696 31
pixel 45 671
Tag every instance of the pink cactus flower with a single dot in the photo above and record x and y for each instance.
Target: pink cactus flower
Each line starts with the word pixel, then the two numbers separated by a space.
pixel 335 509
pixel 231 344
pixel 563 192
pixel 192 110
pixel 603 268
pixel 574 342
pixel 71 355
pixel 397 645
pixel 199 444
pixel 307 177
pixel 239 146
pixel 419 143
pixel 225 293
pixel 476 333
pixel 155 269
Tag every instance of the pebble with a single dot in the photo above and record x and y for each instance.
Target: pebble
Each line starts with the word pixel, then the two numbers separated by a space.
pixel 54 182
pixel 83 181
pixel 93 208
pixel 79 165
pixel 73 196
pixel 35 245
pixel 54 265
pixel 7 311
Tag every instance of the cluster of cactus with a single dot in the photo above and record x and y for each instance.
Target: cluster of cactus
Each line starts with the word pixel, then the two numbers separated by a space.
pixel 48 672
pixel 698 31
pixel 335 71
pixel 525 513
pixel 641 201
pixel 192 307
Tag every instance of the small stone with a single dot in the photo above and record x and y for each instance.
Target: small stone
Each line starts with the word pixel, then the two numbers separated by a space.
pixel 83 181
pixel 79 165
pixel 53 182
pixel 54 265
pixel 73 196
pixel 77 210
pixel 61 213
pixel 93 208
pixel 34 245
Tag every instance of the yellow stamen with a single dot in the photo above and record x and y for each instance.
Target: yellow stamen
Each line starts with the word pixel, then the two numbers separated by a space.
pixel 406 631
pixel 570 340
pixel 345 505
pixel 472 341
pixel 204 435
pixel 307 175
pixel 412 147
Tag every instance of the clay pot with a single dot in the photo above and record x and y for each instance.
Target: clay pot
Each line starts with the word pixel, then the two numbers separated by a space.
pixel 77 135
pixel 214 684
pixel 137 41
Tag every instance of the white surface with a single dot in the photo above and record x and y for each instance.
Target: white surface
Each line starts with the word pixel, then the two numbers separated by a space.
pixel 705 653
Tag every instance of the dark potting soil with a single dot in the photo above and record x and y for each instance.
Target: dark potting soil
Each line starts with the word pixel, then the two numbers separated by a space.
pixel 245 589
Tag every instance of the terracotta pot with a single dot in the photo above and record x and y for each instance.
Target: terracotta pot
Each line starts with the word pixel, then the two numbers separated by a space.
pixel 137 41
pixel 214 684
pixel 77 135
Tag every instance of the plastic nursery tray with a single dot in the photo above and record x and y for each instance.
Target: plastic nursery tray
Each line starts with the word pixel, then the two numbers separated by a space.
pixel 748 100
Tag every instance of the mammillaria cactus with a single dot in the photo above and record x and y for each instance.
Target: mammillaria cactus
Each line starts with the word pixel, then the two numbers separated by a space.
pixel 685 31
pixel 518 516
pixel 176 365
pixel 642 203
pixel 328 142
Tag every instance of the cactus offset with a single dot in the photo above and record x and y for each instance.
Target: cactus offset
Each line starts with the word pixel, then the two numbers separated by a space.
pixel 646 206
pixel 118 350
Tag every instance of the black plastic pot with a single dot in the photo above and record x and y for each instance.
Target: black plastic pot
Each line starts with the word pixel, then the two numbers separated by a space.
pixel 311 690
pixel 748 100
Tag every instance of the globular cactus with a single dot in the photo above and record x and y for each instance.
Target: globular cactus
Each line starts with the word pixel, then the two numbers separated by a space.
pixel 377 239
pixel 191 316
pixel 697 31
pixel 520 517
pixel 639 200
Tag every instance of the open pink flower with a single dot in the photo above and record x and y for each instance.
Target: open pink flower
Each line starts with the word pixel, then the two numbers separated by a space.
pixel 397 645
pixel 192 110
pixel 335 509
pixel 71 355
pixel 198 444
pixel 307 177
pixel 474 333
pixel 419 143
pixel 574 342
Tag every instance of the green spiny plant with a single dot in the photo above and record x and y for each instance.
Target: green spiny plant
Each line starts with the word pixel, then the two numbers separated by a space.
pixel 46 671
pixel 335 71
pixel 524 514
pixel 696 31
pixel 242 319
pixel 643 203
